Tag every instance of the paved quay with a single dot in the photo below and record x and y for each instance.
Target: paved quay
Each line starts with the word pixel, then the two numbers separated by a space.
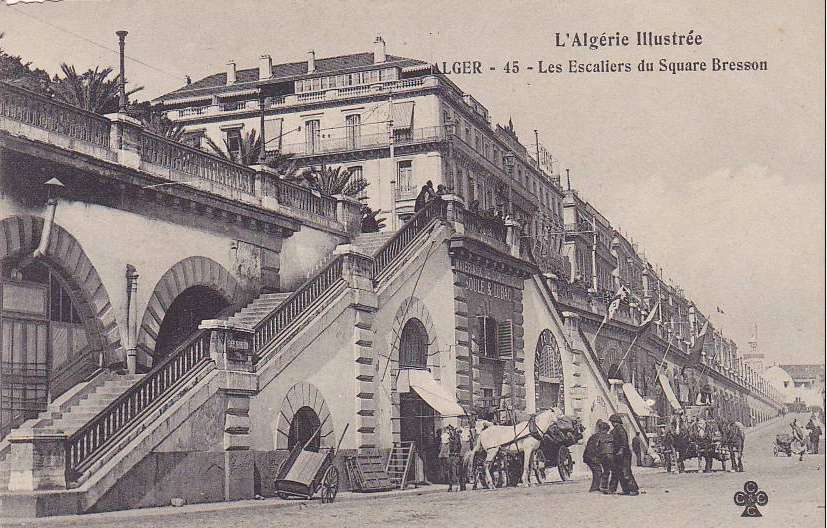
pixel 795 489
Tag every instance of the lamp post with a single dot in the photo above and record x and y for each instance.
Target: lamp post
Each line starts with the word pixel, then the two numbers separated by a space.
pixel 122 43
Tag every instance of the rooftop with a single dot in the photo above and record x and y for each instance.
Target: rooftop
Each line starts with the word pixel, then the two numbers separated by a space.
pixel 217 82
pixel 805 371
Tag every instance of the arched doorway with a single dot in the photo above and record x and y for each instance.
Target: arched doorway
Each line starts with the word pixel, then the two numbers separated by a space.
pixel 417 420
pixel 549 388
pixel 305 424
pixel 184 315
pixel 42 336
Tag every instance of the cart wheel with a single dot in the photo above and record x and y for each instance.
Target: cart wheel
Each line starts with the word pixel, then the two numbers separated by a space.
pixel 330 485
pixel 564 463
pixel 539 466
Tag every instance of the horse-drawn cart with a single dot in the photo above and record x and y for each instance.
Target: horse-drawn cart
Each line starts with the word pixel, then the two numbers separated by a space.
pixel 306 473
pixel 783 445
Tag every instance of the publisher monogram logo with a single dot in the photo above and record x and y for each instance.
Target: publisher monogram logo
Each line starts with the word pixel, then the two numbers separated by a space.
pixel 750 499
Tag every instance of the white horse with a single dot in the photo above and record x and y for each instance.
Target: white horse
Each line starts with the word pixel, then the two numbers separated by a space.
pixel 521 438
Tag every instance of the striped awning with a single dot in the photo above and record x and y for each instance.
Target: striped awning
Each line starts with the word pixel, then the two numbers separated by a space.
pixel 238 93
pixel 184 100
pixel 403 115
pixel 670 394
pixel 636 402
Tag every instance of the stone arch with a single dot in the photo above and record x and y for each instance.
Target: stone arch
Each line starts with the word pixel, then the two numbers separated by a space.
pixel 20 235
pixel 188 273
pixel 298 396
pixel 414 308
pixel 548 365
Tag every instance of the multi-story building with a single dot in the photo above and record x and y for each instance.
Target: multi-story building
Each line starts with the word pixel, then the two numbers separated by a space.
pixel 394 121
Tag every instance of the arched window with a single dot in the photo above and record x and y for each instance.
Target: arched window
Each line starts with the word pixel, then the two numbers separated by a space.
pixel 305 424
pixel 413 345
pixel 548 373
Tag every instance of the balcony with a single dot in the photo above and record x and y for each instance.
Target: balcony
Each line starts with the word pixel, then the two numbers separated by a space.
pixel 291 100
pixel 336 145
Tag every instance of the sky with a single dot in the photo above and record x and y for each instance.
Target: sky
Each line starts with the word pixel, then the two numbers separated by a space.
pixel 718 176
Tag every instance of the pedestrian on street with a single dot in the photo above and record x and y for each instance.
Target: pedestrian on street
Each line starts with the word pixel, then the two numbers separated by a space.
pixel 455 458
pixel 815 435
pixel 605 454
pixel 444 455
pixel 591 457
pixel 637 447
pixel 622 468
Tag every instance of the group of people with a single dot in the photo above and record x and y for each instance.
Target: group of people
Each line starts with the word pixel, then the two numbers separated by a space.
pixel 806 443
pixel 703 437
pixel 609 457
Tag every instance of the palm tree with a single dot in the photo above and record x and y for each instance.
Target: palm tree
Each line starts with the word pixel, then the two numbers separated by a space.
pixel 332 181
pixel 248 153
pixel 91 90
pixel 284 164
pixel 160 124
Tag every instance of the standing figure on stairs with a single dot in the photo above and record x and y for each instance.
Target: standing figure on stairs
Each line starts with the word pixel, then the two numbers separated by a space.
pixel 426 194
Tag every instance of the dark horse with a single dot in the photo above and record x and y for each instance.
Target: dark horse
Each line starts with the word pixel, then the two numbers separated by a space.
pixel 732 439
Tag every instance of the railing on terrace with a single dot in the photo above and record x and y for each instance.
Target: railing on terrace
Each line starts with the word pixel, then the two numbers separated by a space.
pixel 172 155
pixel 436 208
pixel 301 198
pixel 492 228
pixel 88 441
pixel 366 141
pixel 272 325
pixel 19 104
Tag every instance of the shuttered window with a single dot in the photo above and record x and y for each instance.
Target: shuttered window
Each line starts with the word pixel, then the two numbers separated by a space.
pixel 505 340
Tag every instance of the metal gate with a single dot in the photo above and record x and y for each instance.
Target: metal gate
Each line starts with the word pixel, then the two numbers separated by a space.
pixel 24 352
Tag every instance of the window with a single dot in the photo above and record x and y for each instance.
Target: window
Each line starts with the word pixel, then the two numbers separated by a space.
pixel 404 175
pixel 312 135
pixel 459 182
pixel 193 139
pixel 487 336
pixel 233 139
pixel 357 175
pixel 353 127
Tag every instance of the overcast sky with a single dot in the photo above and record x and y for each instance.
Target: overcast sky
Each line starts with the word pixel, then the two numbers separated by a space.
pixel 719 176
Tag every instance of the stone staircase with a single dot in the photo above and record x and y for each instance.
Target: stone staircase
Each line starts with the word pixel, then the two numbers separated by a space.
pixel 70 415
pixel 254 312
pixel 369 243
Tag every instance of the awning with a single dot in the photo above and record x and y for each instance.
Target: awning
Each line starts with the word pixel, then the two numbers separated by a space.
pixel 637 404
pixel 670 394
pixel 272 133
pixel 421 382
pixel 402 115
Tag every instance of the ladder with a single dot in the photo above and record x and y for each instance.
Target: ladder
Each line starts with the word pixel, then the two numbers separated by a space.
pixel 399 463
pixel 367 471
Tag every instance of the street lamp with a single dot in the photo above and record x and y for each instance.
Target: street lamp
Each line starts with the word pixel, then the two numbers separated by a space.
pixel 122 44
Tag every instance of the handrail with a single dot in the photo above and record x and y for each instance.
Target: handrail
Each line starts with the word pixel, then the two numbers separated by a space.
pixel 31 108
pixel 272 325
pixel 158 150
pixel 436 208
pixel 297 197
pixel 127 408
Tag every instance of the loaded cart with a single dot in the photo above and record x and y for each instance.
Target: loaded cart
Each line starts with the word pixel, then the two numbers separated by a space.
pixel 306 473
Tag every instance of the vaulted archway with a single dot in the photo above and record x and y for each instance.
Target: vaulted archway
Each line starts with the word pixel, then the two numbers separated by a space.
pixel 194 287
pixel 304 408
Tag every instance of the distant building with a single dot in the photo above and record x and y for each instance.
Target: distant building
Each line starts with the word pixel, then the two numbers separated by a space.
pixel 801 385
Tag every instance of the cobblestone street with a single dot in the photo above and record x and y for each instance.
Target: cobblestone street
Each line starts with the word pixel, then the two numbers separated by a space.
pixel 795 489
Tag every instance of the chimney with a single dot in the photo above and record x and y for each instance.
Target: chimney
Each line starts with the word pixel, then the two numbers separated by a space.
pixel 379 50
pixel 231 72
pixel 311 61
pixel 265 67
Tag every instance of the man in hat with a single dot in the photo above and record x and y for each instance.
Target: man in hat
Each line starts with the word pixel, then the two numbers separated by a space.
pixel 591 455
pixel 622 470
